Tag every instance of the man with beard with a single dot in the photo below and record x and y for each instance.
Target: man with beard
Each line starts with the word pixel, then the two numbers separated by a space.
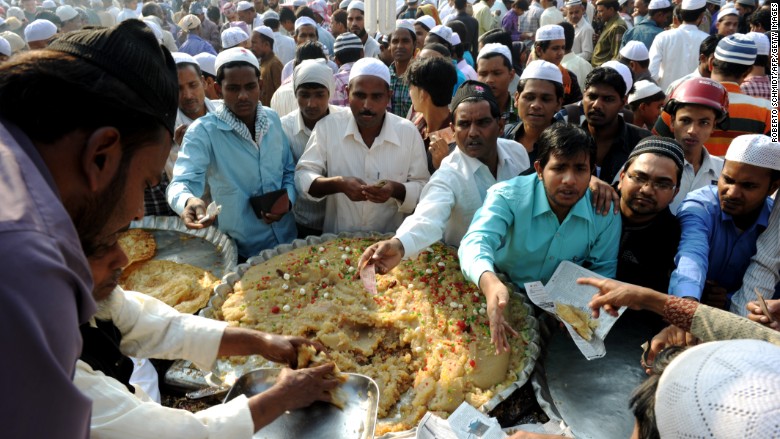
pixel 70 180
pixel 554 204
pixel 369 163
pixel 357 25
pixel 720 225
pixel 455 192
pixel 402 43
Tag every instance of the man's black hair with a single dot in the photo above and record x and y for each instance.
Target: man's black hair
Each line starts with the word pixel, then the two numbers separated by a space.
pixel 460 4
pixel 762 18
pixel 708 46
pixel 213 14
pixel 272 23
pixel 223 67
pixel 606 76
pixel 568 35
pixel 304 11
pixel 558 87
pixel 565 140
pixel 286 14
pixel 184 65
pixel 626 62
pixel 441 48
pixel 506 62
pixel 346 56
pixel 642 401
pixel 612 5
pixel 308 50
pixel 520 4
pixel 437 76
pixel 730 69
pixel 690 16
pixel 459 28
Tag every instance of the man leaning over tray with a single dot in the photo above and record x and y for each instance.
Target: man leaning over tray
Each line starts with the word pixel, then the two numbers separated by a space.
pixel 145 327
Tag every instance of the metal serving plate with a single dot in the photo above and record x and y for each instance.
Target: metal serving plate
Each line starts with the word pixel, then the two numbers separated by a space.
pixel 320 420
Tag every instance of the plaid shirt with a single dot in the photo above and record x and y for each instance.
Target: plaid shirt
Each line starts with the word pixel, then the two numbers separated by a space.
pixel 402 100
pixel 340 94
pixel 155 202
pixel 529 21
pixel 757 86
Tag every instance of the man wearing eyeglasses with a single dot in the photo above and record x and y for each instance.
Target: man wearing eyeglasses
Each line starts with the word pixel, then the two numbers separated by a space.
pixel 650 232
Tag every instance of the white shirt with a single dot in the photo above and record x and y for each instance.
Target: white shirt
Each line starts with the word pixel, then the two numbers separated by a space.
pixel 550 15
pixel 454 193
pixel 151 328
pixel 284 47
pixel 307 212
pixel 288 69
pixel 578 66
pixel 283 101
pixel 467 70
pixel 336 148
pixel 675 53
pixel 709 173
pixel 127 14
pixel 370 48
pixel 583 41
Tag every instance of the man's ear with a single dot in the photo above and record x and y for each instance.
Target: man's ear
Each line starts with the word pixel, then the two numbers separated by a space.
pixel 101 158
pixel 538 167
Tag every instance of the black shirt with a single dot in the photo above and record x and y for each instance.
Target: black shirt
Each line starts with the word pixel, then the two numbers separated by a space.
pixel 647 251
pixel 622 146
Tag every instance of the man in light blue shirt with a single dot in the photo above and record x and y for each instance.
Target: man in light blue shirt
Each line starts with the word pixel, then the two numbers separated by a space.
pixel 720 225
pixel 530 224
pixel 240 151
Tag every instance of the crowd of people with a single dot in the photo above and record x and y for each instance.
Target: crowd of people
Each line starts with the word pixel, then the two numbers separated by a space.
pixel 631 137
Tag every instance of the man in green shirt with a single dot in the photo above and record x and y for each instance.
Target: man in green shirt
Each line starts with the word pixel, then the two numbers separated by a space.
pixel 608 45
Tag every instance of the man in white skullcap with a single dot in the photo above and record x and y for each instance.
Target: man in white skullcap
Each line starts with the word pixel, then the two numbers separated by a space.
pixel 659 16
pixel 39 34
pixel 247 13
pixel 284 46
pixel 402 47
pixel 194 44
pixel 494 68
pixel 206 63
pixel 550 46
pixel 16 42
pixel 270 66
pixel 70 18
pixel 757 82
pixel 235 37
pixel 357 25
pixel 720 225
pixel 728 21
pixel 242 154
pixel 313 84
pixel 306 30
pixel 368 164
pixel 636 56
pixel 422 26
pixel 674 52
pixel 645 102
pixel 583 31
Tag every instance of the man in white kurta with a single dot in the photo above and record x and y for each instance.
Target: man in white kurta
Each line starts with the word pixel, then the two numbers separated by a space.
pixel 675 52
pixel 368 164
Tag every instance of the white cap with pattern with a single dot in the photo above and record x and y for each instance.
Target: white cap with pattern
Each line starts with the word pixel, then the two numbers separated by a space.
pixel 550 32
pixel 233 36
pixel 755 149
pixel 495 49
pixel 541 69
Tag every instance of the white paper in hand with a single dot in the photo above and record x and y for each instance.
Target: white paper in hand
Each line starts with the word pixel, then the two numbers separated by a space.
pixel 212 210
pixel 368 276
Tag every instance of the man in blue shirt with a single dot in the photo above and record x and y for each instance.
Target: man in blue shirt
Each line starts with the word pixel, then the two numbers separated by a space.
pixel 531 223
pixel 240 151
pixel 659 16
pixel 194 44
pixel 720 225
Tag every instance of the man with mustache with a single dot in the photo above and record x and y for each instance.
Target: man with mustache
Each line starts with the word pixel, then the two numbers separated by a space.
pixel 368 164
pixel 357 25
pixel 721 224
pixel 402 44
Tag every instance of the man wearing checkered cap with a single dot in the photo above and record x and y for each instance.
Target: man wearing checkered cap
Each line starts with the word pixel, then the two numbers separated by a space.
pixel 659 16
pixel 348 49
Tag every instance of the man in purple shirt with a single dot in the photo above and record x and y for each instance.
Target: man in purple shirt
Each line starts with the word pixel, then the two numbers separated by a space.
pixel 71 180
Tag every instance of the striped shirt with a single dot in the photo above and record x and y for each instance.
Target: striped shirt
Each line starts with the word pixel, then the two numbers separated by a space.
pixel 747 115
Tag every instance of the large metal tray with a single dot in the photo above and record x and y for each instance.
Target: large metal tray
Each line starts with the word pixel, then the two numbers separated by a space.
pixel 356 420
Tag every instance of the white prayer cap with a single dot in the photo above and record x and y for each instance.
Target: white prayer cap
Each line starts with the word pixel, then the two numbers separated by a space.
pixel 570 3
pixel 39 30
pixel 304 21
pixel 236 54
pixel 714 2
pixel 643 89
pixel 755 149
pixel 405 24
pixel 264 30
pixel 13 23
pixel 356 5
pixel 314 71
pixel 455 40
pixel 16 42
pixel 243 6
pixel 635 51
pixel 344 4
pixel 67 12
pixel 659 4
pixel 442 31
pixel 426 21
pixel 156 29
pixel 495 49
pixel 5 47
pixel 49 4
pixel 16 12
pixel 184 58
pixel 206 62
pixel 692 5
pixel 233 36
pixel 189 22
pixel 624 72
pixel 721 389
pixel 370 67
pixel 550 32
pixel 541 69
pixel 728 10
pixel 762 42
pixel 270 15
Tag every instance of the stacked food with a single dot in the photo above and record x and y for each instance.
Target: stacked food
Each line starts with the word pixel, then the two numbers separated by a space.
pixel 423 337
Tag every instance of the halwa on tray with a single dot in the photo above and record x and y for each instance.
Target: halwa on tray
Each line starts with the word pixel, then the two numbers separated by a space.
pixel 182 286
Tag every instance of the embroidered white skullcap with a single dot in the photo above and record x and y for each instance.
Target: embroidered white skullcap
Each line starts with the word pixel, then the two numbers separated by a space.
pixel 49 4
pixel 156 29
pixel 39 30
pixel 722 389
pixel 659 4
pixel 356 5
pixel 370 67
pixel 643 89
pixel 726 11
pixel 67 12
pixel 206 62
pixel 243 6
pixel 737 49
pixel 314 71
pixel 624 72
pixel 426 21
pixel 405 24
pixel 495 49
pixel 304 21
pixel 264 30
pixel 692 5
pixel 761 41
pixel 442 31
pixel 570 3
pixel 550 32
pixel 16 42
pixel 455 40
pixel 635 51
pixel 344 4
pixel 5 47
pixel 233 36
pixel 235 54
pixel 755 149
pixel 270 15
pixel 184 58
pixel 541 69
pixel 189 22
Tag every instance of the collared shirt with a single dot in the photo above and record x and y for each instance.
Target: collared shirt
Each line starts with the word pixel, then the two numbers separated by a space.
pixel 307 212
pixel 551 15
pixel 583 40
pixel 757 86
pixel 46 293
pixel 709 173
pixel 485 18
pixel 454 193
pixel 529 21
pixel 401 100
pixel 578 66
pixel 711 246
pixel 340 93
pixel 284 47
pixel 195 45
pixel 675 53
pixel 644 32
pixel 151 328
pixel 516 232
pixel 608 45
pixel 336 148
pixel 622 146
pixel 219 150
pixel 509 24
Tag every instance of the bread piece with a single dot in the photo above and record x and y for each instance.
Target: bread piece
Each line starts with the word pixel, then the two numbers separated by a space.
pixel 578 319
pixel 182 286
pixel 138 244
pixel 308 357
